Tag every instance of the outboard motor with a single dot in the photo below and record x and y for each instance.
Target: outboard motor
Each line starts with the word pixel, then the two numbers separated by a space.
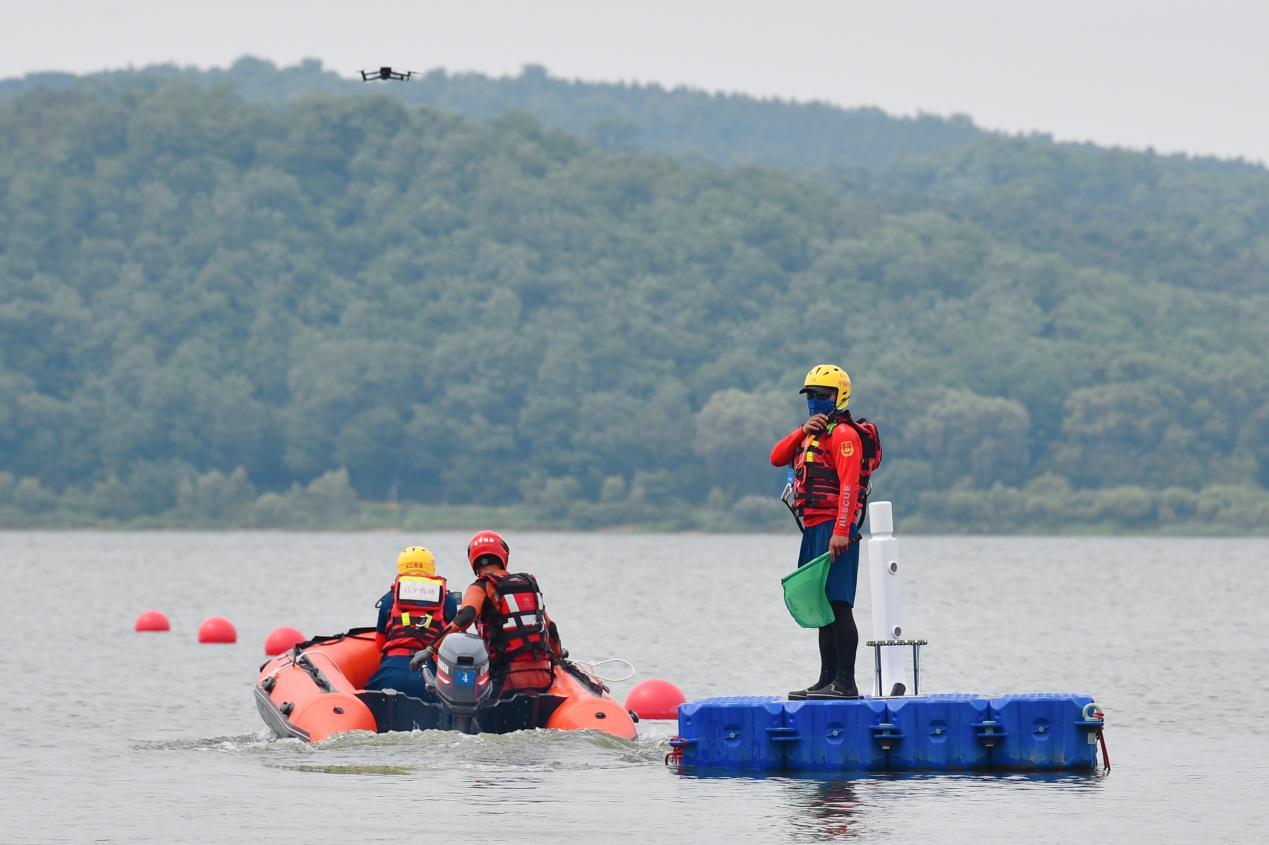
pixel 462 679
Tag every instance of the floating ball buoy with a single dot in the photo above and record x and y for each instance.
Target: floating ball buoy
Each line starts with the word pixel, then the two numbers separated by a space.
pixel 281 639
pixel 152 620
pixel 217 629
pixel 655 699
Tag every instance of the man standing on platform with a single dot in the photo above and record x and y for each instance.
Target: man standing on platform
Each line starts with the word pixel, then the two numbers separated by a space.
pixel 832 456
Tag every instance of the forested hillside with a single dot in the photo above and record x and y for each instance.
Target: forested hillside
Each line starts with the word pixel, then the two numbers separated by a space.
pixel 222 311
pixel 724 128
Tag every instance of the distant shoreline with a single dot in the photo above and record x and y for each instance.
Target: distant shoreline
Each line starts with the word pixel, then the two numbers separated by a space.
pixel 406 518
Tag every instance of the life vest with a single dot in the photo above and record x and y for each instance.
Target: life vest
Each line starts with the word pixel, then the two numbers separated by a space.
pixel 513 620
pixel 815 484
pixel 417 616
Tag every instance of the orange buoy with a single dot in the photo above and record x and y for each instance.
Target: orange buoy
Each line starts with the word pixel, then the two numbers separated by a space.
pixel 152 620
pixel 217 629
pixel 655 699
pixel 281 639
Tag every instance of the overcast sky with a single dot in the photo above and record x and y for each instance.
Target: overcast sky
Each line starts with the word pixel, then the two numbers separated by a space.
pixel 1178 76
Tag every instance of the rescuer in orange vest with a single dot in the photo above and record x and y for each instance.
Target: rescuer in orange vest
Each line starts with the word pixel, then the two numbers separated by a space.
pixel 510 614
pixel 832 457
pixel 412 616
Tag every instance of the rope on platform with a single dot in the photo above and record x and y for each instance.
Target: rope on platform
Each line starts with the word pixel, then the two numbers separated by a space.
pixel 1093 710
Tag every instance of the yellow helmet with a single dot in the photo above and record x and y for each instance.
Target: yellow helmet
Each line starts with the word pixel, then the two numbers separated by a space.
pixel 416 560
pixel 830 376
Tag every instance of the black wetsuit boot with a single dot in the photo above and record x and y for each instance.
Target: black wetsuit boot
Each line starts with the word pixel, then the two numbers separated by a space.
pixel 828 665
pixel 845 642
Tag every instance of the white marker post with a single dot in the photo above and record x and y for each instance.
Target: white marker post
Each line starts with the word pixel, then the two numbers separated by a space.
pixel 883 569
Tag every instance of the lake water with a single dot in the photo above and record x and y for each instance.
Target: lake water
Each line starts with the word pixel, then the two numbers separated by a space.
pixel 114 736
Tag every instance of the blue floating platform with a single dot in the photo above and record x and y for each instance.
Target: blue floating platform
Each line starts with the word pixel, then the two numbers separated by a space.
pixel 945 733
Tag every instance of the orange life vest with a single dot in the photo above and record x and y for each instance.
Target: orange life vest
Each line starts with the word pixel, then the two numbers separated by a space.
pixel 513 620
pixel 417 616
pixel 815 482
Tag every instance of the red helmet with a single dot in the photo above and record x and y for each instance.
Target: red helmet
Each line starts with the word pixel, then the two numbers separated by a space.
pixel 488 543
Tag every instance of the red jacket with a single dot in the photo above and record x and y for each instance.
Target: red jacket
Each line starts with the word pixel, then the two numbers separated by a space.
pixel 840 448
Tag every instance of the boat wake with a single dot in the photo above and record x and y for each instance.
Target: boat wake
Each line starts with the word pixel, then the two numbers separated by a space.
pixel 256 741
pixel 400 753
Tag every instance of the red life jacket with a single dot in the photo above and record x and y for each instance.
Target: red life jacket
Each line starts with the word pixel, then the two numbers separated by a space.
pixel 513 620
pixel 417 616
pixel 815 483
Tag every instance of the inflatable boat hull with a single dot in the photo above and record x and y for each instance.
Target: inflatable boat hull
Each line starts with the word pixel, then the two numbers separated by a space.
pixel 317 690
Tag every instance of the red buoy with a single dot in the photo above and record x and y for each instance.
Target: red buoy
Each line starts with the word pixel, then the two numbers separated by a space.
pixel 281 639
pixel 152 620
pixel 217 629
pixel 655 699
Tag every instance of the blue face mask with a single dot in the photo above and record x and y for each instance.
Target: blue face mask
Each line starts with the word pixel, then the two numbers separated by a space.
pixel 820 406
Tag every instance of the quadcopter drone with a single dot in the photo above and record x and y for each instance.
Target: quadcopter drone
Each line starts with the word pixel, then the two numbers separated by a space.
pixel 386 74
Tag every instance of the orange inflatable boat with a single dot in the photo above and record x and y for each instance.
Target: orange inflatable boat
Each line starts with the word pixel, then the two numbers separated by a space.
pixel 316 690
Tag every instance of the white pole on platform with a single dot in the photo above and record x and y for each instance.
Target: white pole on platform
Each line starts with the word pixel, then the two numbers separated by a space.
pixel 883 569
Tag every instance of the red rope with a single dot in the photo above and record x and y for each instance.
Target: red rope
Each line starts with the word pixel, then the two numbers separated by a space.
pixel 675 757
pixel 1101 737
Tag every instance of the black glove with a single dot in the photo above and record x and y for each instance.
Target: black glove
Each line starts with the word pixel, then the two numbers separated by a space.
pixel 420 658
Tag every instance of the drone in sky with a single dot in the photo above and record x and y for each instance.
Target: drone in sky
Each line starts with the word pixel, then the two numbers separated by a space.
pixel 387 74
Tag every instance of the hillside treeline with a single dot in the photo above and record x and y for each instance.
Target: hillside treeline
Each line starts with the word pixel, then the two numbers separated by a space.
pixel 723 128
pixel 214 311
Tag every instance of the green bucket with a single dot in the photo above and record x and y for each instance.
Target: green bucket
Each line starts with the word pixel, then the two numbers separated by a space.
pixel 804 593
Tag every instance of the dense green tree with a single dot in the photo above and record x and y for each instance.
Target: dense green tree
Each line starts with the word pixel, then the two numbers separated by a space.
pixel 234 311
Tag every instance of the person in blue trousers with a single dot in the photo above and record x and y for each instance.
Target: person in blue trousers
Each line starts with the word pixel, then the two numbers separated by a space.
pixel 832 456
pixel 412 616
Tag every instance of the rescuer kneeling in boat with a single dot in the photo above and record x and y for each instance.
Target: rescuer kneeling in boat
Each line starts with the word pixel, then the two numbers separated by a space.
pixel 523 642
pixel 412 616
pixel 832 457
